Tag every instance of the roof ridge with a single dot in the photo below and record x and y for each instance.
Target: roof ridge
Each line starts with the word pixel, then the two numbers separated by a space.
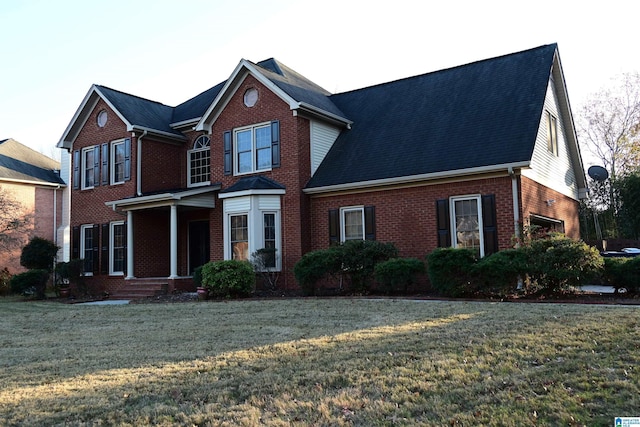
pixel 133 96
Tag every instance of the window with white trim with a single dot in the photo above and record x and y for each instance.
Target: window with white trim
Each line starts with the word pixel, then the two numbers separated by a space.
pixel 87 243
pixel 352 222
pixel 252 147
pixel 466 223
pixel 117 238
pixel 239 232
pixel 252 223
pixel 117 162
pixel 552 133
pixel 89 165
pixel 199 158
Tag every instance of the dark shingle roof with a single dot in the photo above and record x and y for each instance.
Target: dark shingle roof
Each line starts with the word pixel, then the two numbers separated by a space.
pixel 195 107
pixel 21 163
pixel 139 111
pixel 256 182
pixel 481 114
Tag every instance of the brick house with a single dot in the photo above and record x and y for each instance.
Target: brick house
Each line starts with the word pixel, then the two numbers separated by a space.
pixel 267 159
pixel 33 180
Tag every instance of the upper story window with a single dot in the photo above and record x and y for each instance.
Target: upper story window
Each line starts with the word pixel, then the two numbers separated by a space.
pixel 199 159
pixel 552 133
pixel 251 149
pixel 117 162
pixel 90 167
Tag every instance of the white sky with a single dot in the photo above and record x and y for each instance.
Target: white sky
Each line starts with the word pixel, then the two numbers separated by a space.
pixel 169 51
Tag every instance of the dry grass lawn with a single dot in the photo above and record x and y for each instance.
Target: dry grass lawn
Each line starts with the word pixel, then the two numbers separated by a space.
pixel 318 362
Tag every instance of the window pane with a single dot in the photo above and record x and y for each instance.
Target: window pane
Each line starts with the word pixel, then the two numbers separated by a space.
pixel 88 168
pixel 263 137
pixel 239 237
pixel 244 162
pixel 117 251
pixel 467 224
pixel 270 239
pixel 87 247
pixel 353 225
pixel 264 158
pixel 243 140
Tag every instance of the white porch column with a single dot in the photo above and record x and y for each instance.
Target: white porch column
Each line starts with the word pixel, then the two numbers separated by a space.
pixel 173 242
pixel 130 245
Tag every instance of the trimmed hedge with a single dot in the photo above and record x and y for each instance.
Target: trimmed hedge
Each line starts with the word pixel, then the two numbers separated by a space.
pixel 498 274
pixel 30 282
pixel 228 279
pixel 451 271
pixel 397 274
pixel 623 273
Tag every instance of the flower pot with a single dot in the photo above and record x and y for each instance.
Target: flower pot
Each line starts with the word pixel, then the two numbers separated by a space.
pixel 64 292
pixel 203 293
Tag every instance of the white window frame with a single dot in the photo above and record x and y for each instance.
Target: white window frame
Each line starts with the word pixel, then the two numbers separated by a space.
pixel 254 149
pixel 255 207
pixel 202 144
pixel 83 231
pixel 452 209
pixel 112 161
pixel 84 167
pixel 343 222
pixel 112 271
pixel 552 133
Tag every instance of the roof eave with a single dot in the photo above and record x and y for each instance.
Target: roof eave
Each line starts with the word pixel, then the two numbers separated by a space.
pixel 333 118
pixel 163 199
pixel 414 179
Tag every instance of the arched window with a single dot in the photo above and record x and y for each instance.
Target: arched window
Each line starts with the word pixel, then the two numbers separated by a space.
pixel 199 166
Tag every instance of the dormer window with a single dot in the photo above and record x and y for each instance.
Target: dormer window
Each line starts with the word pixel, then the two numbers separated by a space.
pixel 199 166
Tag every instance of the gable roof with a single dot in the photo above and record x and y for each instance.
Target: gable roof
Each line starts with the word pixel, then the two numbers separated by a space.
pixel 470 117
pixel 19 163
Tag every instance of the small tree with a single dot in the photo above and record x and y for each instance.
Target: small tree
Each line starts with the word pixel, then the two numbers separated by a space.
pixel 230 278
pixel 265 263
pixel 39 254
pixel 15 223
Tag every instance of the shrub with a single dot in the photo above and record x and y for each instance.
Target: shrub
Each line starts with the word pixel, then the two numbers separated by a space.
pixel 316 265
pixel 497 274
pixel 38 254
pixel 398 273
pixel 30 282
pixel 231 278
pixel 623 273
pixel 450 271
pixel 359 258
pixel 5 282
pixel 557 262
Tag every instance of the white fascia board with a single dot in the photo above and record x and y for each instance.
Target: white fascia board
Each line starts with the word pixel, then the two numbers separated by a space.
pixel 34 183
pixel 135 128
pixel 230 87
pixel 459 173
pixel 325 114
pixel 257 192
pixel 185 123
pixel 155 200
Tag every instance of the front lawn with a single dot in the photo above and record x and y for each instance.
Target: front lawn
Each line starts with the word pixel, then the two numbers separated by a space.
pixel 318 362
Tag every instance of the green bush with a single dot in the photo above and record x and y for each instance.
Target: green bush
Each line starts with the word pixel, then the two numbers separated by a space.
pixel 498 274
pixel 359 258
pixel 30 282
pixel 5 282
pixel 38 254
pixel 557 263
pixel 316 265
pixel 451 271
pixel 227 279
pixel 397 274
pixel 623 273
pixel 197 277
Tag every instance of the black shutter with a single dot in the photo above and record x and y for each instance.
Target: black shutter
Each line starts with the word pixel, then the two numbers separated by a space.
pixel 275 144
pixel 127 159
pixel 96 166
pixel 370 223
pixel 105 164
pixel 75 243
pixel 125 248
pixel 334 226
pixel 490 227
pixel 76 169
pixel 444 233
pixel 104 262
pixel 96 248
pixel 227 152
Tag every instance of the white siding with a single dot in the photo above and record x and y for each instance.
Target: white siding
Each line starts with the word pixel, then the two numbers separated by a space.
pixel 63 234
pixel 237 204
pixel 555 172
pixel 322 138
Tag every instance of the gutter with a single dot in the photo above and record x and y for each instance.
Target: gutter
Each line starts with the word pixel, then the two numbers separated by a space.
pixel 516 207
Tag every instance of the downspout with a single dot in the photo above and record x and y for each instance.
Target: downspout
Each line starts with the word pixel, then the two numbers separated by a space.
pixel 516 207
pixel 139 164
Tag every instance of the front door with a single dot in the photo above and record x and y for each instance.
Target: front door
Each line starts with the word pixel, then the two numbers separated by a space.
pixel 198 244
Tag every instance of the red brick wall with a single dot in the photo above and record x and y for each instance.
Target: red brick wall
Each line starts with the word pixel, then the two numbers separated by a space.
pixel 407 216
pixel 534 197
pixel 293 173
pixel 163 165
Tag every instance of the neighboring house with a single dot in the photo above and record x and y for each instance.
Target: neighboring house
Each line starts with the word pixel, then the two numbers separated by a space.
pixel 33 180
pixel 461 157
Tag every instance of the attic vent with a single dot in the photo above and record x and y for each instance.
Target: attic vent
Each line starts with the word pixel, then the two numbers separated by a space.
pixel 102 118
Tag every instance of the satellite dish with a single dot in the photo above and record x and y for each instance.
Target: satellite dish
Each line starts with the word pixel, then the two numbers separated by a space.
pixel 598 173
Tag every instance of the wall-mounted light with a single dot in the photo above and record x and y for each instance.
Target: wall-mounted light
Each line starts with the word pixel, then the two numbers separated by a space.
pixel 550 202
